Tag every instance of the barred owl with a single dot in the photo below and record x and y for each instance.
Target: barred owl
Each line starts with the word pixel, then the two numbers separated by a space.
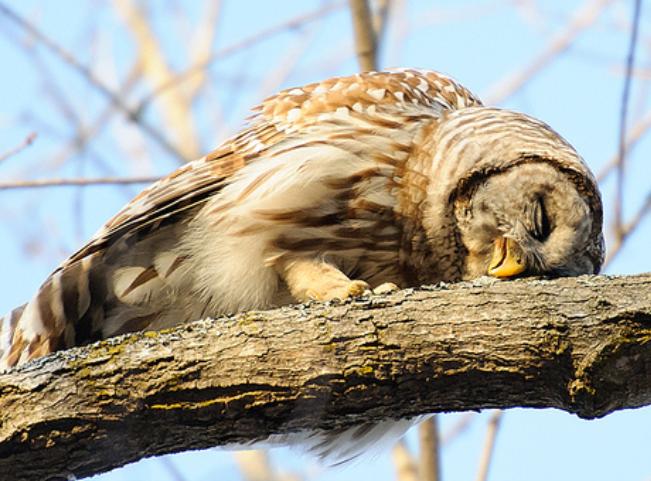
pixel 397 177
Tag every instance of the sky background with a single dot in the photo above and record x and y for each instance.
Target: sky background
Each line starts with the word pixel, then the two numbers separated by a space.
pixel 481 43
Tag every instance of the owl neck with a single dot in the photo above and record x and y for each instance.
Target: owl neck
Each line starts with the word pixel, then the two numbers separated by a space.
pixel 431 250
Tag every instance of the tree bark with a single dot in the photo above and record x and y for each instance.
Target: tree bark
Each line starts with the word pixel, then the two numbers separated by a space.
pixel 577 344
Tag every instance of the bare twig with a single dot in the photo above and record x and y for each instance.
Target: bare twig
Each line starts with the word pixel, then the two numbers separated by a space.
pixel 92 79
pixel 171 469
pixel 26 142
pixel 201 46
pixel 428 435
pixel 30 184
pixel 633 135
pixel 626 230
pixel 406 466
pixel 584 17
pixel 460 427
pixel 382 9
pixel 487 453
pixel 621 157
pixel 277 76
pixel 365 40
pixel 406 469
pixel 458 13
pixel 175 106
pixel 187 74
pixel 254 465
pixel 83 132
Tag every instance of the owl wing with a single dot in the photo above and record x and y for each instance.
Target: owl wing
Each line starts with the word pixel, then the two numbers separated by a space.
pixel 135 246
pixel 165 201
pixel 275 119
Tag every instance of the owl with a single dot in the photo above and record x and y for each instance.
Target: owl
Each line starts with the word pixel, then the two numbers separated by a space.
pixel 399 177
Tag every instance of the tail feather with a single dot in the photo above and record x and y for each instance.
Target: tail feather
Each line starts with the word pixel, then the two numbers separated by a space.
pixel 66 311
pixel 125 287
pixel 11 345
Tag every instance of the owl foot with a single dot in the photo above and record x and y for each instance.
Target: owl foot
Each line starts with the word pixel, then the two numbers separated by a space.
pixel 312 279
pixel 351 289
pixel 385 288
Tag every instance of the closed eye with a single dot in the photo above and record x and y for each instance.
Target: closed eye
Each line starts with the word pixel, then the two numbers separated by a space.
pixel 541 224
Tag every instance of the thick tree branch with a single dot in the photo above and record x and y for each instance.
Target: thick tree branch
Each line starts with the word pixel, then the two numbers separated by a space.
pixel 582 345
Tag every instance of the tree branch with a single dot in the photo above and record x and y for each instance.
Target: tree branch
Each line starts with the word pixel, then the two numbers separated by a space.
pixel 558 44
pixel 92 79
pixel 429 456
pixel 578 344
pixel 26 142
pixel 77 181
pixel 176 107
pixel 365 36
pixel 489 445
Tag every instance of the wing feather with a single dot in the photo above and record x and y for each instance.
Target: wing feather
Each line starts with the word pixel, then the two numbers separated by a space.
pixel 374 93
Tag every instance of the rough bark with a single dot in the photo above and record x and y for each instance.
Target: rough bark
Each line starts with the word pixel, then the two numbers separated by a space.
pixel 581 345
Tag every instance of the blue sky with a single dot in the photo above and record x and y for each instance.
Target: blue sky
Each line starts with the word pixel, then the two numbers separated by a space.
pixel 480 43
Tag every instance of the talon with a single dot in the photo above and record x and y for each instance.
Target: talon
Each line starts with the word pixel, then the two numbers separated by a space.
pixel 357 288
pixel 386 288
pixel 313 295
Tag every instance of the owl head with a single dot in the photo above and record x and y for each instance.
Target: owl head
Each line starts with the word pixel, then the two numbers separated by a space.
pixel 525 203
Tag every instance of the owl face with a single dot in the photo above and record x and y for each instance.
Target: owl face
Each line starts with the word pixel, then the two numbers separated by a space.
pixel 529 219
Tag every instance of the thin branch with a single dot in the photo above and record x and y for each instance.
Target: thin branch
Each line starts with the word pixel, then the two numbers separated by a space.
pixel 81 139
pixel 175 105
pixel 84 132
pixel 365 39
pixel 406 468
pixel 171 468
pixel 92 79
pixel 633 136
pixel 489 445
pixel 275 78
pixel 247 42
pixel 200 48
pixel 429 459
pixel 459 13
pixel 627 230
pixel 559 44
pixel 31 184
pixel 382 9
pixel 458 428
pixel 405 462
pixel 26 142
pixel 255 465
pixel 621 157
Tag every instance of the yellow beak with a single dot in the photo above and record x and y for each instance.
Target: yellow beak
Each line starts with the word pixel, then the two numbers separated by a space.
pixel 507 259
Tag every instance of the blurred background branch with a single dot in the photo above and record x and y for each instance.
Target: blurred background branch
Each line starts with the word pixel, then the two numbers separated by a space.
pixel 559 44
pixel 489 445
pixel 175 104
pixel 26 142
pixel 31 184
pixel 365 36
pixel 429 467
pixel 84 71
pixel 618 207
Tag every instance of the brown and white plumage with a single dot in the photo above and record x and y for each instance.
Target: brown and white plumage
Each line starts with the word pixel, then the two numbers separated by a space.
pixel 377 177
